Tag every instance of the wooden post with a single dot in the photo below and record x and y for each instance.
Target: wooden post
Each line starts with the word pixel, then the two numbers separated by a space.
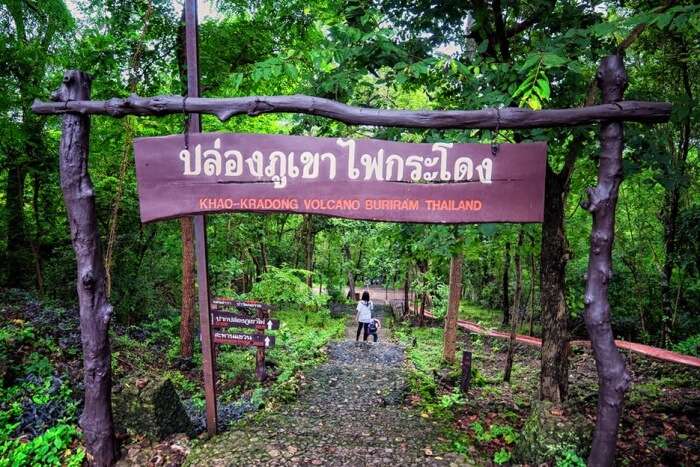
pixel 95 312
pixel 200 228
pixel 208 354
pixel 260 371
pixel 613 379
pixel 466 371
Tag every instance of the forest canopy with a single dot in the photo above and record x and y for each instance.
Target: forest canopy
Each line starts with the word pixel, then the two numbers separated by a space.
pixel 379 54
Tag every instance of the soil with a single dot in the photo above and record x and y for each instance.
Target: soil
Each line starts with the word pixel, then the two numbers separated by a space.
pixel 350 412
pixel 660 423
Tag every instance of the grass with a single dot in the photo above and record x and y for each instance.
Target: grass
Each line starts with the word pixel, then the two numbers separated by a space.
pixel 447 404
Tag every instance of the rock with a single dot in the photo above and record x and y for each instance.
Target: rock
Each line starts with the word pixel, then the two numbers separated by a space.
pixel 548 432
pixel 396 396
pixel 151 407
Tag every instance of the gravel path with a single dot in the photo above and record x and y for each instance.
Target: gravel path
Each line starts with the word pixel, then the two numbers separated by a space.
pixel 350 412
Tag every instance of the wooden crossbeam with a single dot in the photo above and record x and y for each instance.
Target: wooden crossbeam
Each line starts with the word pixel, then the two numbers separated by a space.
pixel 225 108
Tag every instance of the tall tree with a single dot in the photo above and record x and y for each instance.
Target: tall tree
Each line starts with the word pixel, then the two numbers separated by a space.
pixel 505 286
pixel 515 310
pixel 455 293
pixel 29 34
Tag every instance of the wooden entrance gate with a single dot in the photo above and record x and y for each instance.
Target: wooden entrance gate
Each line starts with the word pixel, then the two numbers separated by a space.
pixel 73 101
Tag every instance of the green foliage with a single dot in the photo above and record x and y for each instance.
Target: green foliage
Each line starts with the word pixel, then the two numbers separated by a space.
pixel 52 448
pixel 440 300
pixel 569 458
pixel 501 456
pixel 505 432
pixel 454 399
pixel 689 346
pixel 535 90
pixel 284 287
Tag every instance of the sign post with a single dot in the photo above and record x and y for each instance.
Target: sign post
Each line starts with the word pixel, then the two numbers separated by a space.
pixel 200 225
pixel 260 371
pixel 261 322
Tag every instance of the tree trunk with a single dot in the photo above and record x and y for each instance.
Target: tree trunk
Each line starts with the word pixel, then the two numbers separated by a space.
pixel 14 218
pixel 188 273
pixel 263 256
pixel 95 311
pixel 450 336
pixel 613 379
pixel 36 242
pixel 516 307
pixel 406 292
pixel 533 275
pixel 670 215
pixel 505 304
pixel 187 316
pixel 422 269
pixel 351 274
pixel 308 235
pixel 554 369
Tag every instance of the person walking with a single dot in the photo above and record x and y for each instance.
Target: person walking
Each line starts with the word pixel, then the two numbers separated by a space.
pixel 364 315
pixel 374 327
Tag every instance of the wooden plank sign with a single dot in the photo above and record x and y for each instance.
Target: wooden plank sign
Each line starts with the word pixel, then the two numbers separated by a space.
pixel 241 304
pixel 244 340
pixel 367 179
pixel 223 319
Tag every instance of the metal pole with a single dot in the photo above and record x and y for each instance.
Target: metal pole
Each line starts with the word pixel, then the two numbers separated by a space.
pixel 200 225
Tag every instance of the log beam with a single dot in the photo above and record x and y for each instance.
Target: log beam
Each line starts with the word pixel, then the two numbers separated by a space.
pixel 225 108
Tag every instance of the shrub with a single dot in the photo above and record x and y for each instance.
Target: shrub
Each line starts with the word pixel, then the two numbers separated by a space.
pixel 284 287
pixel 689 346
pixel 51 448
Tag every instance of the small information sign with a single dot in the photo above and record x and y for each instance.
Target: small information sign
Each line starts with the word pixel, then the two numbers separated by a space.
pixel 244 340
pixel 241 304
pixel 224 319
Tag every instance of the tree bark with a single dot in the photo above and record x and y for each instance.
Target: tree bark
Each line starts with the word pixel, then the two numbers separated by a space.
pixel 406 292
pixel 516 307
pixel 450 336
pixel 308 238
pixel 505 304
pixel 14 218
pixel 36 242
pixel 670 212
pixel 554 368
pixel 422 269
pixel 188 299
pixel 95 311
pixel 533 275
pixel 193 123
pixel 613 379
pixel 351 274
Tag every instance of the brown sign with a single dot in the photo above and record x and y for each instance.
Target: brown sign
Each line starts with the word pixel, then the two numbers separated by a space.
pixel 223 319
pixel 244 340
pixel 241 305
pixel 342 177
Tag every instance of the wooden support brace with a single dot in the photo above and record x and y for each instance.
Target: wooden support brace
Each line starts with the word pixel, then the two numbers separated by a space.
pixel 95 311
pixel 613 379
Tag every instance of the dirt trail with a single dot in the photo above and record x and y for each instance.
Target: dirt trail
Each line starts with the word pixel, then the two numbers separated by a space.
pixel 349 412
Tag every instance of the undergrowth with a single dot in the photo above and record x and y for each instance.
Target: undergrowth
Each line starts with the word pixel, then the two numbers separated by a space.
pixel 38 410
